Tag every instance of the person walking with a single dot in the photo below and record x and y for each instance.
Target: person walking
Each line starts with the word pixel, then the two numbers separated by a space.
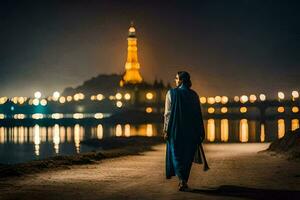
pixel 183 130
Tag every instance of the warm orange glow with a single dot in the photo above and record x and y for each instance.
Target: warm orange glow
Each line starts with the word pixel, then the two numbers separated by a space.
pixel 118 96
pixel 281 128
pixel 100 97
pixel 132 66
pixel 119 104
pixel 295 124
pixel 69 98
pixel 149 130
pixel 149 95
pixel 118 130
pixel 244 99
pixel 252 98
pixel 236 98
pixel 295 109
pixel 224 110
pixel 62 99
pixel 262 133
pixel 203 100
pixel 149 110
pixel 99 115
pixel 280 109
pixel 224 99
pixel 211 100
pixel 295 94
pixel 244 130
pixel 77 115
pixel 218 99
pixel 211 130
pixel 127 130
pixel 210 110
pixel 243 109
pixel 127 96
pixel 224 130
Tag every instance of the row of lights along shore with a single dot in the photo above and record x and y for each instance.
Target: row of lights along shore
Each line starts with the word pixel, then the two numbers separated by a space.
pixel 244 98
pixel 149 96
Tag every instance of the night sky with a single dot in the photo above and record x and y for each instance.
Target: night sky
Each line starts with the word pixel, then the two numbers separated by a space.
pixel 229 47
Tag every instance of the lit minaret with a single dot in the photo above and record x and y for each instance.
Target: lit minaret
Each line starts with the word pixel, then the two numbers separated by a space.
pixel 132 66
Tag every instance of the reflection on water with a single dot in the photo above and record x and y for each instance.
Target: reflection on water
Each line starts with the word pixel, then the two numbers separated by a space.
pixel 295 124
pixel 224 130
pixel 281 128
pixel 244 130
pixel 19 143
pixel 211 130
pixel 262 133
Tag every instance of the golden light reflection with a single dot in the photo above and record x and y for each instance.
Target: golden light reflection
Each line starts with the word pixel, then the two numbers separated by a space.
pixel 127 130
pixel 62 99
pixel 100 97
pixel 262 97
pixel 118 130
pixel 119 104
pixel 118 96
pixel 57 116
pixel 149 130
pixel 78 136
pixel 99 115
pixel 236 98
pixel 100 131
pixel 69 98
pixel 224 130
pixel 252 98
pixel 37 116
pixel 62 134
pixel 295 124
pixel 56 138
pixel 77 115
pixel 244 130
pixel 2 135
pixel 37 139
pixel 211 130
pixel 262 133
pixel 281 128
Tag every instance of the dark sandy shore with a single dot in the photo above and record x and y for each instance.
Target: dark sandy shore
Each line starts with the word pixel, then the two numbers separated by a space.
pixel 237 172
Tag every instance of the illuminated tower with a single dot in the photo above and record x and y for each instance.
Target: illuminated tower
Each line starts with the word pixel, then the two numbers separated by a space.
pixel 132 66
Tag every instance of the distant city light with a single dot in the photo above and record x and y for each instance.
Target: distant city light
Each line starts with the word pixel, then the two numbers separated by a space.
pixel 203 100
pixel 119 104
pixel 76 97
pixel 211 100
pixel 244 99
pixel 21 100
pixel 149 96
pixel 210 110
pixel 37 116
pixel 35 102
pixel 149 110
pixel 236 98
pixel 57 116
pixel 69 98
pixel 218 99
pixel 93 97
pixel 252 98
pixel 280 109
pixel 19 116
pixel 3 100
pixel 262 97
pixel 37 94
pixel 43 102
pixel 99 115
pixel 118 96
pixel 2 116
pixel 56 95
pixel 281 95
pixel 77 115
pixel 243 109
pixel 111 97
pixel 295 109
pixel 224 99
pixel 295 94
pixel 127 96
pixel 224 110
pixel 62 99
pixel 100 97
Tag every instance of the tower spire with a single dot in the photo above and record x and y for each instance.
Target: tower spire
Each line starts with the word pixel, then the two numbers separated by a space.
pixel 132 66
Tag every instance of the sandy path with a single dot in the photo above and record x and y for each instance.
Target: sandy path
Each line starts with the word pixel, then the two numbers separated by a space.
pixel 237 172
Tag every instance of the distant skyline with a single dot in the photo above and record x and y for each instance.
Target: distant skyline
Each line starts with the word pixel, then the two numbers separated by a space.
pixel 229 47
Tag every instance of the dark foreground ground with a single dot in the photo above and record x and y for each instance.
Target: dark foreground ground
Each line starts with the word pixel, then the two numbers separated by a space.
pixel 237 172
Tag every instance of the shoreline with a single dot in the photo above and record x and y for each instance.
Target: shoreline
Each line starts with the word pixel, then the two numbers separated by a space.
pixel 104 149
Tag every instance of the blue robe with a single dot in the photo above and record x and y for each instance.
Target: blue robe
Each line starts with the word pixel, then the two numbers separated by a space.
pixel 185 132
